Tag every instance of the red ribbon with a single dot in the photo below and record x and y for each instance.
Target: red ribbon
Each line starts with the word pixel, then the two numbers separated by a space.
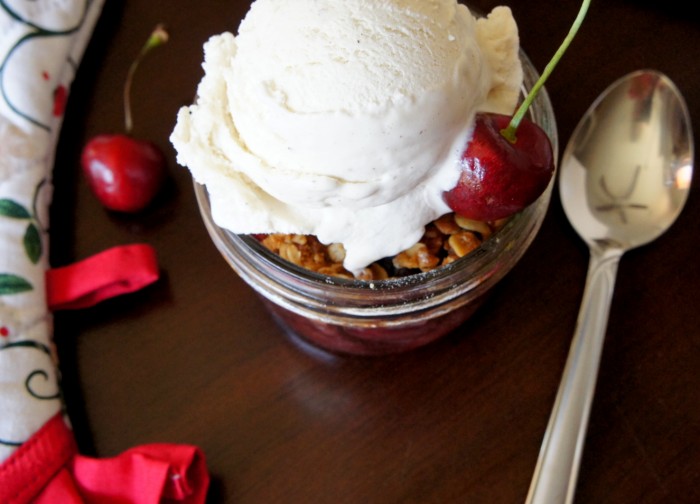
pixel 118 270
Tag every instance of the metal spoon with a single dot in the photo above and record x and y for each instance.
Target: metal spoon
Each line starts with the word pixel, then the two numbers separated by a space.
pixel 625 177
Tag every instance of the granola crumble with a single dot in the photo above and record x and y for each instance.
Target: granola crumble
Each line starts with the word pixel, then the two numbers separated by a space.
pixel 444 241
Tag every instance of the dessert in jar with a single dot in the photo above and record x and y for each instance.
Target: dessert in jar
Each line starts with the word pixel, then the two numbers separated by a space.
pixel 322 142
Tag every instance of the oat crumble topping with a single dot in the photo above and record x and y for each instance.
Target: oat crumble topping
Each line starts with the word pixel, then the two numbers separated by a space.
pixel 445 240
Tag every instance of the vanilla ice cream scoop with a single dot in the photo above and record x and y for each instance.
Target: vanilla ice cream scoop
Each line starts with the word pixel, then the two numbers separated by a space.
pixel 345 120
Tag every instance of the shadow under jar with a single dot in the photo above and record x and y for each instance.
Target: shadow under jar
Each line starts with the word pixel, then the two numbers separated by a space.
pixel 378 317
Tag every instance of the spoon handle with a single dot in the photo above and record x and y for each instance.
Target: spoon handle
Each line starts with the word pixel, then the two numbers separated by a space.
pixel 555 475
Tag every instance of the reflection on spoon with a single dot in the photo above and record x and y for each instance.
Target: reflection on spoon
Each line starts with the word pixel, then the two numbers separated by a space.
pixel 633 155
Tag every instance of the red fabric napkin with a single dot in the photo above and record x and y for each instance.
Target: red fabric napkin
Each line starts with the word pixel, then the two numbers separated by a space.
pixel 41 46
pixel 48 470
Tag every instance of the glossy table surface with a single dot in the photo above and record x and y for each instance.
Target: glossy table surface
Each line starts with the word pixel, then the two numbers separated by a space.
pixel 195 359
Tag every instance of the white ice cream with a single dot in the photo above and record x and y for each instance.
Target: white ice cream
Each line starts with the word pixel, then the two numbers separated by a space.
pixel 344 119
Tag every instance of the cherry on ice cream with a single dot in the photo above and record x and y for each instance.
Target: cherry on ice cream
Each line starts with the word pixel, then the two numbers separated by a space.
pixel 499 177
pixel 509 161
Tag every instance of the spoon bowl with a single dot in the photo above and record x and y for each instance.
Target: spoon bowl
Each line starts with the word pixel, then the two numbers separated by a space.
pixel 624 179
pixel 626 171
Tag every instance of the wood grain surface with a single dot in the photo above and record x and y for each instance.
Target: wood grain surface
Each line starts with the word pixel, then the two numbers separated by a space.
pixel 195 358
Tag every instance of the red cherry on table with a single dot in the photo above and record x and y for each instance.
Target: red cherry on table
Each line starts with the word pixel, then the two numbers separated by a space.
pixel 124 173
pixel 499 177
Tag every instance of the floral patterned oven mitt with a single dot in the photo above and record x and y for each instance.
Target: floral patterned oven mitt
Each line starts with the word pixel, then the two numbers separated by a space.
pixel 41 45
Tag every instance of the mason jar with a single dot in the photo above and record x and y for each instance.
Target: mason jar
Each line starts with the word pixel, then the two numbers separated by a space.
pixel 377 317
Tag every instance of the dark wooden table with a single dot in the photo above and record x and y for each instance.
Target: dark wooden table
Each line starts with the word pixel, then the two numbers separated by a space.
pixel 195 359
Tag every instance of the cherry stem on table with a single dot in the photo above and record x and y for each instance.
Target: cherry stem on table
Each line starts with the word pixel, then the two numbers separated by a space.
pixel 158 37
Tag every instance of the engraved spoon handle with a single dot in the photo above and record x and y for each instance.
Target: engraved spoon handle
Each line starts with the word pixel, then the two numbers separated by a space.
pixel 555 475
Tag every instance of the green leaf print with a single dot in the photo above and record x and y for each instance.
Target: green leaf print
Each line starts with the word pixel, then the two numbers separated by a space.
pixel 13 284
pixel 33 247
pixel 32 243
pixel 10 208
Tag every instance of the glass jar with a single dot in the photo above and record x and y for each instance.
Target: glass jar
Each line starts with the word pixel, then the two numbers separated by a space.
pixel 385 316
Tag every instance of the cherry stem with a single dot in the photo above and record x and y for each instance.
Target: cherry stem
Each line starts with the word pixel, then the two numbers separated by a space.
pixel 158 37
pixel 509 131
